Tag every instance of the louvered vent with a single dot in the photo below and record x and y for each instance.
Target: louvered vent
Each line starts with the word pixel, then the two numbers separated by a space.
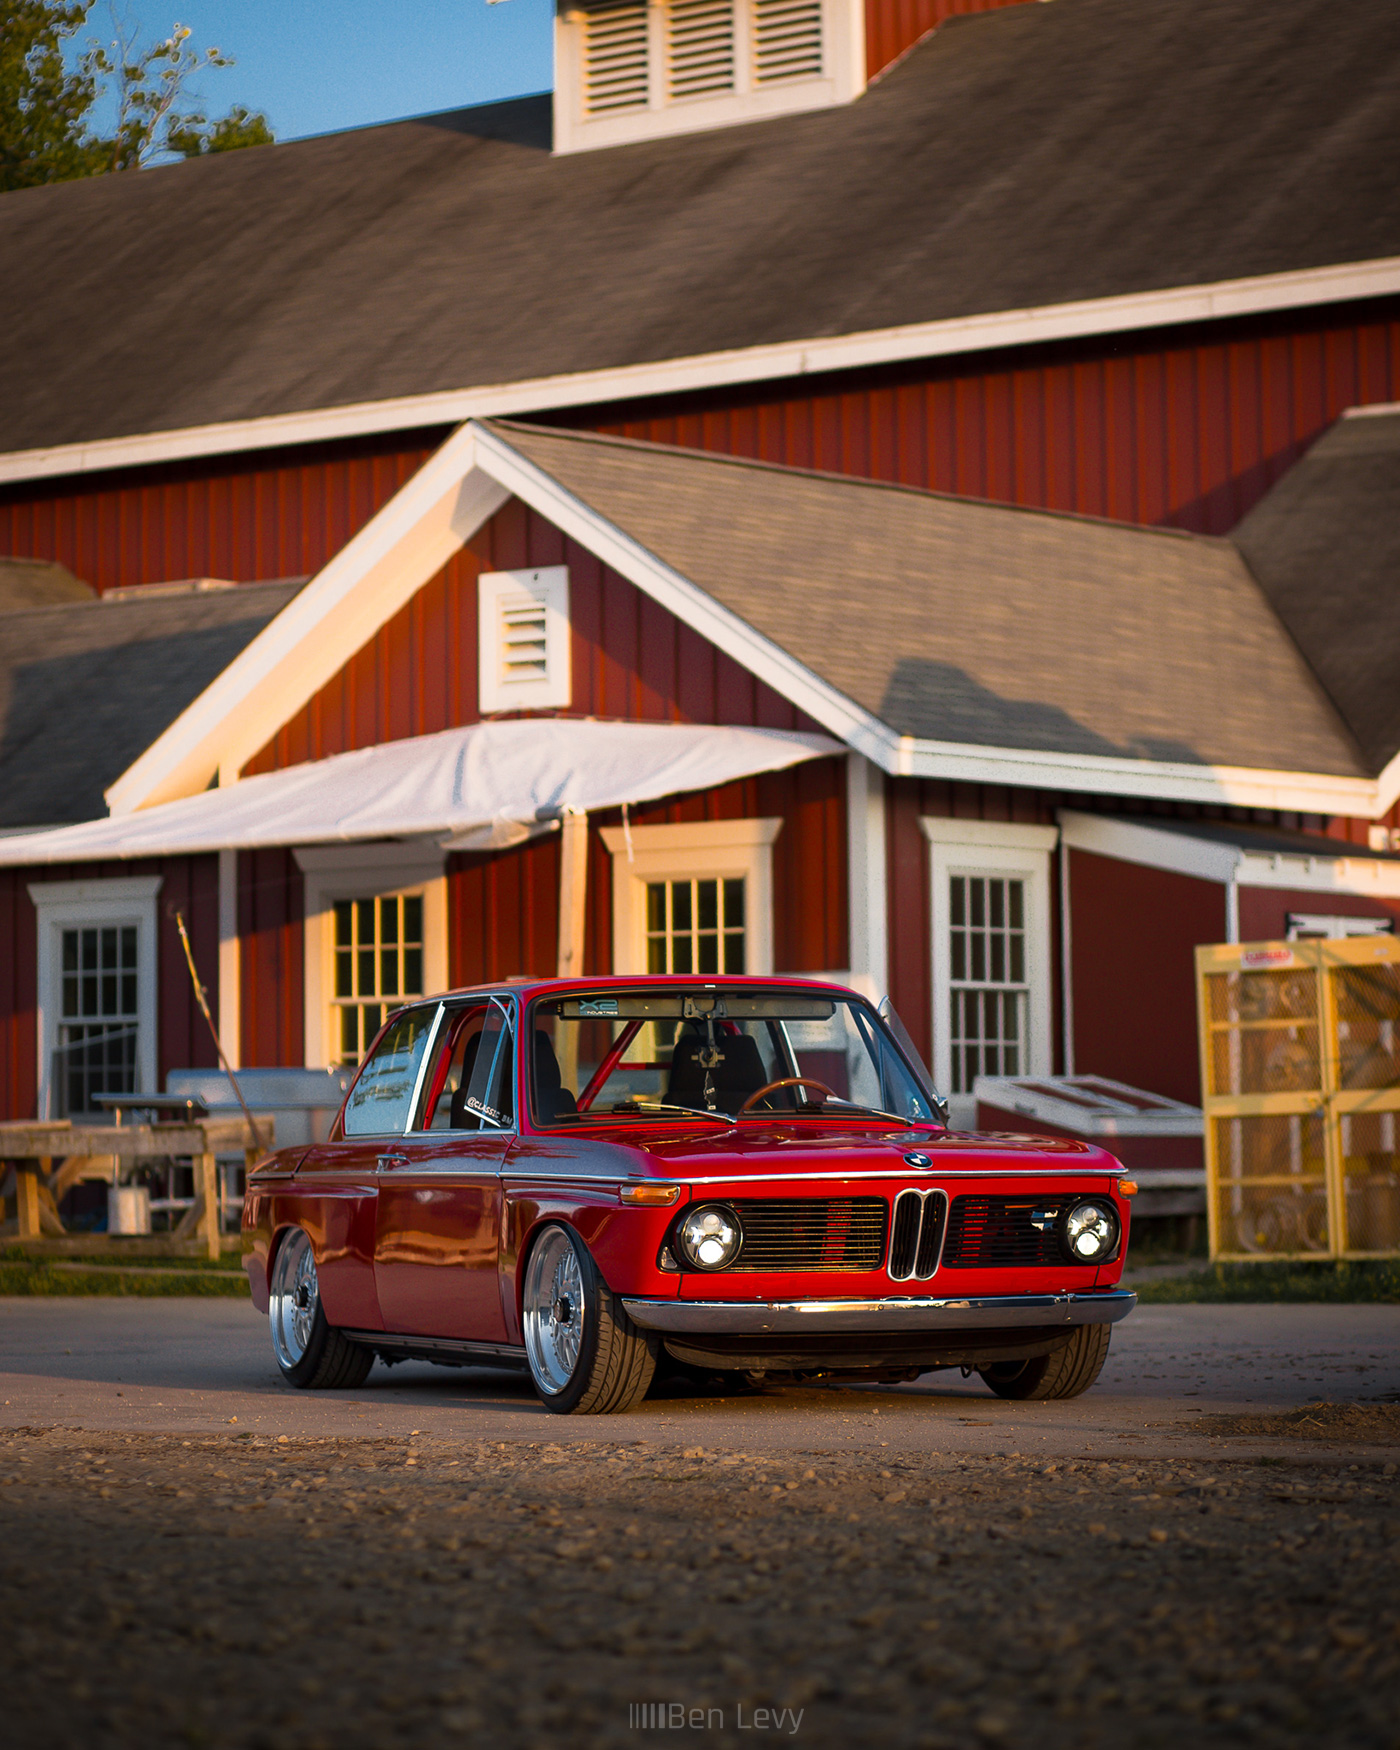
pixel 615 58
pixel 701 47
pixel 524 647
pixel 787 40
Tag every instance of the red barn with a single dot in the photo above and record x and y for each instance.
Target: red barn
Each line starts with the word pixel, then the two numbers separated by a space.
pixel 945 476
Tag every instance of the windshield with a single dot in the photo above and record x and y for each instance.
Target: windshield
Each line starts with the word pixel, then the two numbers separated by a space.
pixel 646 1053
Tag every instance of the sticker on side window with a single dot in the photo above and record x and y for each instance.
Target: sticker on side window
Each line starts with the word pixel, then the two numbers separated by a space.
pixel 596 1006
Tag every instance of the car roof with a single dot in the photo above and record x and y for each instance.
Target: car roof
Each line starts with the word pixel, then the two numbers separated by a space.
pixel 542 986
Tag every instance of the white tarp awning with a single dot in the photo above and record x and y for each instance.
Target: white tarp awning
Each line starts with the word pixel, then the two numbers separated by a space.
pixel 480 788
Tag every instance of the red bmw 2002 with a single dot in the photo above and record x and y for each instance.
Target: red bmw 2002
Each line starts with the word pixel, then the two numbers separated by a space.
pixel 747 1175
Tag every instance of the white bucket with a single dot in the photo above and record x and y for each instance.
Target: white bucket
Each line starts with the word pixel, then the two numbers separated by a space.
pixel 128 1209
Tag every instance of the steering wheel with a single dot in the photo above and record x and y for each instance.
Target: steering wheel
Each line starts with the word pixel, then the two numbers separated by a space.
pixel 786 1082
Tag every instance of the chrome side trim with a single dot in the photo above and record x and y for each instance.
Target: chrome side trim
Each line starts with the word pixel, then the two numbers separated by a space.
pixel 989 1313
pixel 425 1348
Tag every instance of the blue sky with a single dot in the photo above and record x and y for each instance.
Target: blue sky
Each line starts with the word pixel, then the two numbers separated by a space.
pixel 313 66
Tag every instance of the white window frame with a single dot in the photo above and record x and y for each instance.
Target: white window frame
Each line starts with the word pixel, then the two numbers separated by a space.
pixel 700 851
pixel 548 585
pixel 70 905
pixel 998 849
pixel 1332 925
pixel 332 872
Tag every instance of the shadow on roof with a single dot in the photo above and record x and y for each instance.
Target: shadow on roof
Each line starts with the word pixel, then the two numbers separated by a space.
pixel 941 702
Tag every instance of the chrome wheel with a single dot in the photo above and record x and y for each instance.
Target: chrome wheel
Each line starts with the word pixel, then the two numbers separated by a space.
pixel 294 1299
pixel 553 1311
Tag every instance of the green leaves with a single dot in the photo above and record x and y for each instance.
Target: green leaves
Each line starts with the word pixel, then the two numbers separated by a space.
pixel 45 110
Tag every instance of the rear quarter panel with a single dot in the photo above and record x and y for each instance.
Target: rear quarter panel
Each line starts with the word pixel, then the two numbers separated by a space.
pixel 335 1203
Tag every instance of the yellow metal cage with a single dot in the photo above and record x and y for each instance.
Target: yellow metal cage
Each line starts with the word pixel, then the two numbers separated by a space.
pixel 1300 1082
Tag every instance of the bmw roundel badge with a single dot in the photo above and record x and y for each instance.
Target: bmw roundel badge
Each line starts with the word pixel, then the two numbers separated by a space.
pixel 917 1160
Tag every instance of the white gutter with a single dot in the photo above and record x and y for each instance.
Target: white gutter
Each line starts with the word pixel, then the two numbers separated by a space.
pixel 1212 302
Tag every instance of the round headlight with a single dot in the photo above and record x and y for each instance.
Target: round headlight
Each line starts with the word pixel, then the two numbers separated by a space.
pixel 1090 1231
pixel 709 1237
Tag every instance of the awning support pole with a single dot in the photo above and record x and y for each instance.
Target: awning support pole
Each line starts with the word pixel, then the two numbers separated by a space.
pixel 573 916
pixel 573 891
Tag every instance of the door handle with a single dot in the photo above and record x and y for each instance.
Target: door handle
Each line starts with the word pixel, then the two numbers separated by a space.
pixel 386 1161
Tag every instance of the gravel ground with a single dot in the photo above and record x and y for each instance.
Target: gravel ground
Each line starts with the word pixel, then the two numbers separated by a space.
pixel 235 1590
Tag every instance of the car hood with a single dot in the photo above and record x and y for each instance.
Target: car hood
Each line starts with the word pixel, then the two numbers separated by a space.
pixel 803 1150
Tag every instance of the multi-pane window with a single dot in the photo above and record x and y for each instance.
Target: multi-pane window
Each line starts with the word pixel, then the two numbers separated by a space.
pixel 98 1025
pixel 696 926
pixel 989 990
pixel 378 965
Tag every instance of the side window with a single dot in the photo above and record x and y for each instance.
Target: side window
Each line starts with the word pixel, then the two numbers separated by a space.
pixel 382 1097
pixel 489 1101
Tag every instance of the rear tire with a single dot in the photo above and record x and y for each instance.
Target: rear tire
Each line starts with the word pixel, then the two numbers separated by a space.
pixel 312 1354
pixel 1065 1374
pixel 586 1356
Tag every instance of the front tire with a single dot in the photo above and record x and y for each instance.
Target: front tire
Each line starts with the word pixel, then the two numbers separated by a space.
pixel 1065 1374
pixel 311 1353
pixel 586 1356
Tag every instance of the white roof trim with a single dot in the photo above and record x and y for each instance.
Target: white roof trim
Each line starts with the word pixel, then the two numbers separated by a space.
pixel 1349 871
pixel 443 505
pixel 691 604
pixel 1388 786
pixel 319 630
pixel 1110 775
pixel 1205 859
pixel 1215 301
pixel 1371 877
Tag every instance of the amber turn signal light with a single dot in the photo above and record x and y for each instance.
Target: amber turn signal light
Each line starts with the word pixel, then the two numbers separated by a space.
pixel 649 1193
pixel 1128 1187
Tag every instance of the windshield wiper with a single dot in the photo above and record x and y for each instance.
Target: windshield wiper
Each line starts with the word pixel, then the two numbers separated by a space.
pixel 870 1111
pixel 627 1107
pixel 632 1109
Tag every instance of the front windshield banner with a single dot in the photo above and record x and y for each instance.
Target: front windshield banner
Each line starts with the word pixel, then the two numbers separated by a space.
pixel 622 1055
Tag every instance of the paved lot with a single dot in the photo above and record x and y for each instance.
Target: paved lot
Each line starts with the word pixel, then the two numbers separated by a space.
pixel 435 1560
pixel 195 1365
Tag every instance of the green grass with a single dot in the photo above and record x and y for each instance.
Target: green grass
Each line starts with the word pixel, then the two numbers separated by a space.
pixel 25 1274
pixel 230 1262
pixel 1366 1280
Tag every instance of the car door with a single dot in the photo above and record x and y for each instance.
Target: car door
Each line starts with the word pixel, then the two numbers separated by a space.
pixel 438 1221
pixel 336 1188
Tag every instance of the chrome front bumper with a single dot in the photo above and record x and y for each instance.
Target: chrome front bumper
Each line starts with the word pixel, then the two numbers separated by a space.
pixel 999 1312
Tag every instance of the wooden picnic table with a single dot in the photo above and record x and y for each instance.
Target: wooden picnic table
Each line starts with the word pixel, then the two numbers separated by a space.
pixel 51 1157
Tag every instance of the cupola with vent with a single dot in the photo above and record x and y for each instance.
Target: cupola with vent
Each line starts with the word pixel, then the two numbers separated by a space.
pixel 630 70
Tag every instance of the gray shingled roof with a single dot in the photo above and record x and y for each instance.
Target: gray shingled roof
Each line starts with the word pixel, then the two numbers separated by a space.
pixel 1325 546
pixel 1029 156
pixel 956 620
pixel 86 687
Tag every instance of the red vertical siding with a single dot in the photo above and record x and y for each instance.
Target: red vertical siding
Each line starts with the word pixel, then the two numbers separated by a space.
pixel 1187 427
pixel 1264 910
pixel 271 909
pixel 631 659
pixel 1133 1031
pixel 1133 932
pixel 503 909
pixel 191 886
pixel 272 514
pixel 892 26
pixel 19 971
pixel 183 1041
pixel 503 913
